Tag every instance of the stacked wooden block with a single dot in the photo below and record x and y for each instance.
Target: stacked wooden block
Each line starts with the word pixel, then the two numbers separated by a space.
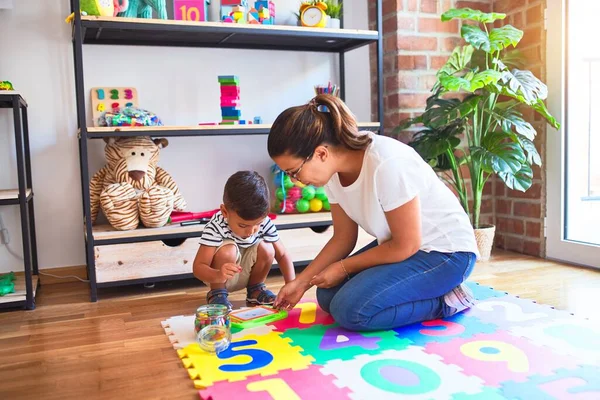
pixel 230 100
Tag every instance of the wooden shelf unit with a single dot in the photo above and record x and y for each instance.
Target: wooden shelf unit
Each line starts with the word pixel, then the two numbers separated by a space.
pixel 91 30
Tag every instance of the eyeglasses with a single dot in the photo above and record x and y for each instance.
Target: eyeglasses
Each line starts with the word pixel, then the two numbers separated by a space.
pixel 294 174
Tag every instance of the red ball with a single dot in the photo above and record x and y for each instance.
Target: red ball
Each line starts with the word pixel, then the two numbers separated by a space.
pixel 294 193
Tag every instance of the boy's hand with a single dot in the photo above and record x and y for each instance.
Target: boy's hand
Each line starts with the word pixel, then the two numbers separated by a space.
pixel 227 271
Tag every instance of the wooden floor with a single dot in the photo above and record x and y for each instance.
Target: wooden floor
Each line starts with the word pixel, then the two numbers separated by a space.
pixel 69 348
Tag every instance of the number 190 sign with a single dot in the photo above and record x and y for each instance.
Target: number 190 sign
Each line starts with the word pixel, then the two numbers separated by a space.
pixel 189 10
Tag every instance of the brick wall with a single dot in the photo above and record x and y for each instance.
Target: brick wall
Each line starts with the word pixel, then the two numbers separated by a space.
pixel 520 216
pixel 416 44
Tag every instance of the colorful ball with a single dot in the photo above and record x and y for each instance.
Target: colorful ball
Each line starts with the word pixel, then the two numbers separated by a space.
pixel 299 184
pixel 280 193
pixel 308 193
pixel 326 205
pixel 316 205
pixel 294 193
pixel 302 205
pixel 290 207
pixel 320 194
pixel 287 182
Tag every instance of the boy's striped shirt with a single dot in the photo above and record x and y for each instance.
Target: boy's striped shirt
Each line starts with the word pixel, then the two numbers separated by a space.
pixel 217 229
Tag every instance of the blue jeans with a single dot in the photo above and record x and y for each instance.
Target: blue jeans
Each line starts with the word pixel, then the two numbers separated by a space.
pixel 392 295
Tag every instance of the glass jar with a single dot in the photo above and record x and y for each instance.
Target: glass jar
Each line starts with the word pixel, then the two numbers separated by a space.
pixel 212 327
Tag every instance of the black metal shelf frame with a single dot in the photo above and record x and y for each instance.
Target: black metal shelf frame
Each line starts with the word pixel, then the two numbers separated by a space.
pixel 131 33
pixel 24 200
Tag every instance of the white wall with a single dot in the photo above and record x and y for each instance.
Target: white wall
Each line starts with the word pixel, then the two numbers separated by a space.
pixel 180 85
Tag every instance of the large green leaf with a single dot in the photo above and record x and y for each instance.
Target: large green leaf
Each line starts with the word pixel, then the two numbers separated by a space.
pixel 509 118
pixel 472 15
pixel 540 107
pixel 533 157
pixel 497 155
pixel 520 180
pixel 513 59
pixel 407 123
pixel 470 82
pixel 476 37
pixel 441 112
pixel 523 86
pixel 501 38
pixel 459 60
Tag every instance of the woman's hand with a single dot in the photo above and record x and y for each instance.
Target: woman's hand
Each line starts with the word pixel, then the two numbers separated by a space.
pixel 289 295
pixel 331 276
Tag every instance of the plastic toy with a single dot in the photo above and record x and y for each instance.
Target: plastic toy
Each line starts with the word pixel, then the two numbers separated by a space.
pixel 130 116
pixel 6 85
pixel 295 197
pixel 7 284
pixel 112 100
pixel 240 12
pixel 143 9
pixel 251 317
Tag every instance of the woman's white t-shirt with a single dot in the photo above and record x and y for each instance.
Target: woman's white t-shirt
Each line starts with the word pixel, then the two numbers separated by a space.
pixel 392 174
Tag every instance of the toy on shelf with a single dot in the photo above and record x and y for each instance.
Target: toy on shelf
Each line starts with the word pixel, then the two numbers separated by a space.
pixel 190 10
pixel 143 9
pixel 239 12
pixel 295 197
pixel 130 116
pixel 6 85
pixel 132 187
pixel 7 284
pixel 100 8
pixel 230 100
pixel 111 99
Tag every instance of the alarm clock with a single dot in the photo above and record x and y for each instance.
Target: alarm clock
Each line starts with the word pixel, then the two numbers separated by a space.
pixel 313 15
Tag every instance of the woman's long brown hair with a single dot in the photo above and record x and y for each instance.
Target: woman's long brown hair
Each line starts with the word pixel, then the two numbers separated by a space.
pixel 298 130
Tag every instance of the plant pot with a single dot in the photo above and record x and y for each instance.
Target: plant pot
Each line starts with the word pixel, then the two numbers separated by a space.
pixel 333 23
pixel 484 236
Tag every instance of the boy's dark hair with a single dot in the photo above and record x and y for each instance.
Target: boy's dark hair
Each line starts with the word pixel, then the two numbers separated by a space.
pixel 247 193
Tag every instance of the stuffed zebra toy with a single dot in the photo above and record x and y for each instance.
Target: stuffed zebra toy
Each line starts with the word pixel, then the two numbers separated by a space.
pixel 131 187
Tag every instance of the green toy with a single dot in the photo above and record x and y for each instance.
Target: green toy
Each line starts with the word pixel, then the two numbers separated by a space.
pixel 143 9
pixel 6 85
pixel 7 284
pixel 251 317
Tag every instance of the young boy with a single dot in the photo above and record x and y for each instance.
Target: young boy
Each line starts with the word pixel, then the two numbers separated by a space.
pixel 239 243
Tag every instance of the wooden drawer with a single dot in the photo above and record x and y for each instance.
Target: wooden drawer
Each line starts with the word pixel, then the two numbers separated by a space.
pixel 132 261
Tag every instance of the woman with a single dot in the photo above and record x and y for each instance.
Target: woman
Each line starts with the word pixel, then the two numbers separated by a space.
pixel 425 245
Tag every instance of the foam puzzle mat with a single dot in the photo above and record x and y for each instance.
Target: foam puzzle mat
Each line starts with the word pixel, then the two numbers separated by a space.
pixel 503 348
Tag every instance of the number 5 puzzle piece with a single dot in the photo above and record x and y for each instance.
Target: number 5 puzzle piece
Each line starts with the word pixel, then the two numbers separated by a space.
pixel 247 356
pixel 287 385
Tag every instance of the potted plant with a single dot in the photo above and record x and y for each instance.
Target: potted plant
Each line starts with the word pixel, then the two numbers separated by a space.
pixel 334 12
pixel 473 120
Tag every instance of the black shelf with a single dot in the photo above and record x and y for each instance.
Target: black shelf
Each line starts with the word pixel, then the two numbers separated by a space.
pixel 8 96
pixel 200 130
pixel 92 30
pixel 26 286
pixel 11 197
pixel 152 32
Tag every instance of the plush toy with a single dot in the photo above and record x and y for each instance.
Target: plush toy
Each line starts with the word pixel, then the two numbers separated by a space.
pixel 131 187
pixel 143 9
